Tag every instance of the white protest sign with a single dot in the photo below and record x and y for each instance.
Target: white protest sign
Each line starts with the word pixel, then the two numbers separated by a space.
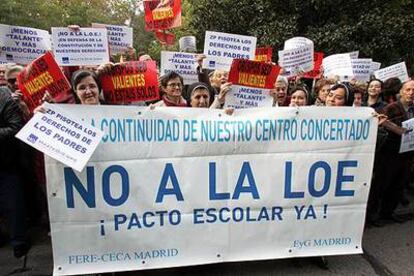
pixel 398 70
pixel 296 60
pixel 354 54
pixel 188 44
pixel 61 136
pixel 337 65
pixel 361 69
pixel 218 188
pixel 375 66
pixel 119 37
pixel 297 42
pixel 88 46
pixel 247 97
pixel 222 48
pixel 407 139
pixel 184 64
pixel 21 44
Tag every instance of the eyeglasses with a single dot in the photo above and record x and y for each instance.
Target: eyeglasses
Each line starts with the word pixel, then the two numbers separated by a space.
pixel 83 88
pixel 179 85
pixel 12 81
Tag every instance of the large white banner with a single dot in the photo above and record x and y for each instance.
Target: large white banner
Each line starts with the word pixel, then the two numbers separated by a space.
pixel 175 187
pixel 184 64
pixel 86 46
pixel 222 48
pixel 22 44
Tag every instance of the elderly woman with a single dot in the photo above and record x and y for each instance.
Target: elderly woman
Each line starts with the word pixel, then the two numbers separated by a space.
pixel 279 93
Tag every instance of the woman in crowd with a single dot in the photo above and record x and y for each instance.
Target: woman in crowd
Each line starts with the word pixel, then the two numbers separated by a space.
pixel 279 93
pixel 171 88
pixel 374 92
pixel 340 95
pixel 321 90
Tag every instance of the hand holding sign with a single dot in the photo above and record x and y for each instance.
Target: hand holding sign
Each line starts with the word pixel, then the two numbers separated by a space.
pixel 42 76
pixel 131 82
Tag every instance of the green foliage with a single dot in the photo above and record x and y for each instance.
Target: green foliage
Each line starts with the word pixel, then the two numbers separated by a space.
pixel 378 29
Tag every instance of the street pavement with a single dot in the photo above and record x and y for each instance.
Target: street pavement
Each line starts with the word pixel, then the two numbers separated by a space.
pixel 388 250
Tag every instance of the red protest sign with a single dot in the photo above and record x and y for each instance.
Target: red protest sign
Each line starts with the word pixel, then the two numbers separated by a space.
pixel 162 14
pixel 317 63
pixel 164 37
pixel 132 81
pixel 264 54
pixel 42 75
pixel 253 73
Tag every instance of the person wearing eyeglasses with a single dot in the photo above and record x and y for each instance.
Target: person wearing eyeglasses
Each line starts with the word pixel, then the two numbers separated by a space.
pixel 172 88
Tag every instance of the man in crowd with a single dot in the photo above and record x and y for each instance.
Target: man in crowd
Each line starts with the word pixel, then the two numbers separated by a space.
pixel 11 190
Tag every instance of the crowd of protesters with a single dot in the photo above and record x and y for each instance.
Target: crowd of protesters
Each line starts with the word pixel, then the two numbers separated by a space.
pixel 22 178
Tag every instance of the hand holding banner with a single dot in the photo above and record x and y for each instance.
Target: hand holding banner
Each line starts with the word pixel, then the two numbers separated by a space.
pixel 132 81
pixel 40 76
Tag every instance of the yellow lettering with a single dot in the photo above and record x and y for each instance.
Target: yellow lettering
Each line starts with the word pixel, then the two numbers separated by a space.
pixel 252 80
pixel 162 13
